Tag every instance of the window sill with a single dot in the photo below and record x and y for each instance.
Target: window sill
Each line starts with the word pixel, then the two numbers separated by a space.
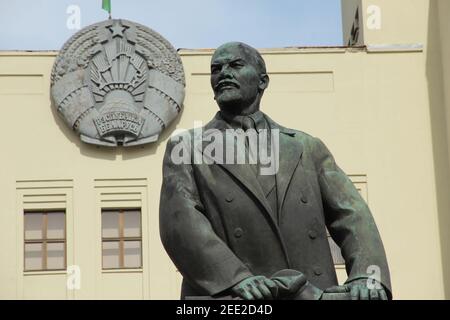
pixel 134 270
pixel 44 272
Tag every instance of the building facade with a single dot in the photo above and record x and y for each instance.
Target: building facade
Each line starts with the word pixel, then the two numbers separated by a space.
pixel 81 221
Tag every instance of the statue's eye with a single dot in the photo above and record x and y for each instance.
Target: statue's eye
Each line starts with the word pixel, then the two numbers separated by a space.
pixel 215 69
pixel 236 64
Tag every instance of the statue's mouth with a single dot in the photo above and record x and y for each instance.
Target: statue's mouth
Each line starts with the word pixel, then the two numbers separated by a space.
pixel 223 85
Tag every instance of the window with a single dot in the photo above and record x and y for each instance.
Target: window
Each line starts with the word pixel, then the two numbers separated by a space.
pixel 45 240
pixel 121 239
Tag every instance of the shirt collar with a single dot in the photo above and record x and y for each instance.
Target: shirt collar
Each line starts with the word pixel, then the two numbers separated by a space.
pixel 235 121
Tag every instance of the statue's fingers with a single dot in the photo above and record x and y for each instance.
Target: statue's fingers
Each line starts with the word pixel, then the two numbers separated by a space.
pixel 383 295
pixel 374 294
pixel 337 289
pixel 243 293
pixel 246 295
pixel 272 286
pixel 354 293
pixel 256 293
pixel 363 293
pixel 267 294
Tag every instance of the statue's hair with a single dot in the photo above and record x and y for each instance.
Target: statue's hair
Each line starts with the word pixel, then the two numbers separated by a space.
pixel 251 52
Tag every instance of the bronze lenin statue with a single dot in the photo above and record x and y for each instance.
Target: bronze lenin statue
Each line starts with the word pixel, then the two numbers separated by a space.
pixel 233 231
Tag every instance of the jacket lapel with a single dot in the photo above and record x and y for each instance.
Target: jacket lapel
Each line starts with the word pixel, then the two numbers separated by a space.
pixel 247 178
pixel 290 152
pixel 239 171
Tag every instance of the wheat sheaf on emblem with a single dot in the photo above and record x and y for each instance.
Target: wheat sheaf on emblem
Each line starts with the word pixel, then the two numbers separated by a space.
pixel 118 83
pixel 118 68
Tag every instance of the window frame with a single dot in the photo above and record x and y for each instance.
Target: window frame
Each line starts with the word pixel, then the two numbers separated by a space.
pixel 44 240
pixel 121 239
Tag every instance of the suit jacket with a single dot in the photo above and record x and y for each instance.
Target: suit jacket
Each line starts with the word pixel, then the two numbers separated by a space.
pixel 218 228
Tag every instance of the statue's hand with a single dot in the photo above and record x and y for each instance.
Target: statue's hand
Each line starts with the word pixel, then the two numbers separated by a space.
pixel 256 288
pixel 360 291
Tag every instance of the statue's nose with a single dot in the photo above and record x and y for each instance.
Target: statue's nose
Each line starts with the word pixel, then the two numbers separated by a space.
pixel 226 72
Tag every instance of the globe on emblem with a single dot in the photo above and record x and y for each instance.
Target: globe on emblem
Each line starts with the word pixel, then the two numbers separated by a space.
pixel 118 83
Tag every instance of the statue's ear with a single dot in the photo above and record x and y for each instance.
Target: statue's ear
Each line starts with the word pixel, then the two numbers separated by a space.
pixel 263 81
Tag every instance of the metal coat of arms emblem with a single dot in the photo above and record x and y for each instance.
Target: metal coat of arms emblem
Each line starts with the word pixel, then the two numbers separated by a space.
pixel 118 83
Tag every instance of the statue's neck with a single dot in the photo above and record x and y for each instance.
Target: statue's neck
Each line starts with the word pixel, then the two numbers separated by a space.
pixel 242 110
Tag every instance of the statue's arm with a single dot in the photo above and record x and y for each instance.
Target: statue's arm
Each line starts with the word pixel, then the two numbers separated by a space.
pixel 349 220
pixel 203 259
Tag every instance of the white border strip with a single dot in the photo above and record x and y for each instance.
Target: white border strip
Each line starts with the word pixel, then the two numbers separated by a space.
pixel 413 47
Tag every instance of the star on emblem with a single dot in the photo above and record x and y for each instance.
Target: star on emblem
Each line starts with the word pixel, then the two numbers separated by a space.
pixel 117 30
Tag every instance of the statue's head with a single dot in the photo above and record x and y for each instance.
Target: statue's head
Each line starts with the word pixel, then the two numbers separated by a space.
pixel 238 77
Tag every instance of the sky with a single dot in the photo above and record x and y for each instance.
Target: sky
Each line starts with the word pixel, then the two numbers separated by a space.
pixel 192 24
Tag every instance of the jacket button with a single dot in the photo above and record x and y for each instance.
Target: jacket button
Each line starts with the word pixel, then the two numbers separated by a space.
pixel 304 199
pixel 312 234
pixel 317 271
pixel 238 232
pixel 229 197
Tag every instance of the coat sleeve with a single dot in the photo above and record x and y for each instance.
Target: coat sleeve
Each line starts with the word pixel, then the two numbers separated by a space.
pixel 350 222
pixel 203 258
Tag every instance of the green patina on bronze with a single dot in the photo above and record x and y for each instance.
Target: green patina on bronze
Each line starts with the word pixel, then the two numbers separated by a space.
pixel 233 233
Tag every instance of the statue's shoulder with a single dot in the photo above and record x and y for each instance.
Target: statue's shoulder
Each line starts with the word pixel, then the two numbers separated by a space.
pixel 313 146
pixel 303 136
pixel 307 140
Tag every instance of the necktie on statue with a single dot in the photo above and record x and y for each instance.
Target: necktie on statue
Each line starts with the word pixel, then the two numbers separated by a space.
pixel 251 141
pixel 248 123
pixel 253 145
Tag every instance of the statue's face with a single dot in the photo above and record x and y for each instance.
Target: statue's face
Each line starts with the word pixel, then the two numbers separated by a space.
pixel 235 78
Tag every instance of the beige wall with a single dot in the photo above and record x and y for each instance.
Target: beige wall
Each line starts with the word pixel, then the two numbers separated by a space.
pixel 402 22
pixel 422 23
pixel 438 73
pixel 383 114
